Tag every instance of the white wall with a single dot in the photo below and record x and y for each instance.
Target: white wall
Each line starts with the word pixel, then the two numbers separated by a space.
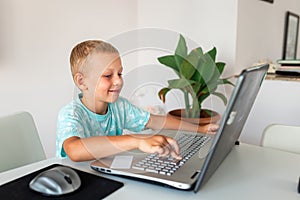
pixel 36 38
pixel 207 23
pixel 260 30
pixel 202 23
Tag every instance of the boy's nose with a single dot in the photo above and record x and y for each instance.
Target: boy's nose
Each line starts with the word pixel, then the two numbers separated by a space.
pixel 117 80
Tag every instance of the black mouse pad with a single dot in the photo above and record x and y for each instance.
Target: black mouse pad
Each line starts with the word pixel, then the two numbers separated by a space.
pixel 92 187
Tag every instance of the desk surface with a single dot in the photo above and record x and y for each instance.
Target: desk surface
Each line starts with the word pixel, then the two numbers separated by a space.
pixel 249 172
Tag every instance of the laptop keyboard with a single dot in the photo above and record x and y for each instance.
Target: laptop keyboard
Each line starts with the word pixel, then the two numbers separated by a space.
pixel 189 145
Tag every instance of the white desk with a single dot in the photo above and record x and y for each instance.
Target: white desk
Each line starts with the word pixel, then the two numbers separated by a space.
pixel 249 172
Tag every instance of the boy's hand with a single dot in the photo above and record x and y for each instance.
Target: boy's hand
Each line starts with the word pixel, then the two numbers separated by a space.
pixel 209 128
pixel 159 144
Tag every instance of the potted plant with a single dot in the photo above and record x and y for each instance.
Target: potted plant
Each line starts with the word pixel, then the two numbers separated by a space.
pixel 199 76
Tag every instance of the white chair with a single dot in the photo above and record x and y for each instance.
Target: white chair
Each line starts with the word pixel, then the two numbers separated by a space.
pixel 19 141
pixel 283 137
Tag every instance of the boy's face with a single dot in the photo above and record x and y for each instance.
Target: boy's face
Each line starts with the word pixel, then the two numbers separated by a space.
pixel 104 78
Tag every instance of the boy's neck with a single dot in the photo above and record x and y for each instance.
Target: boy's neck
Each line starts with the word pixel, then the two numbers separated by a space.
pixel 96 107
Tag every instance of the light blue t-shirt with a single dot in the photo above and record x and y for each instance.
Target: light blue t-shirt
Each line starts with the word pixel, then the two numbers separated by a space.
pixel 76 120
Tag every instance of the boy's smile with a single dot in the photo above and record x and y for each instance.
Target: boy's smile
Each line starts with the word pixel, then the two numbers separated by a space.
pixel 115 91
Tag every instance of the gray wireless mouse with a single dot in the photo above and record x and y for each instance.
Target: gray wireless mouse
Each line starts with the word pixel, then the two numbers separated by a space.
pixel 56 181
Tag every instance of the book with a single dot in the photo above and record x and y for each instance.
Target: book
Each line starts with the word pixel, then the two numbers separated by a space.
pixel 294 62
pixel 288 70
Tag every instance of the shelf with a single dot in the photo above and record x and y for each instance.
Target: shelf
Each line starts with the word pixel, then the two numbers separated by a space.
pixel 273 76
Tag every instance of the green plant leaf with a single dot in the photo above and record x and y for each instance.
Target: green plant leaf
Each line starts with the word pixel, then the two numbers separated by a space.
pixel 199 51
pixel 202 97
pixel 224 81
pixel 180 83
pixel 220 66
pixel 207 89
pixel 169 61
pixel 218 94
pixel 188 65
pixel 196 88
pixel 206 67
pixel 195 55
pixel 212 86
pixel 187 69
pixel 212 53
pixel 162 94
pixel 180 52
pixel 199 75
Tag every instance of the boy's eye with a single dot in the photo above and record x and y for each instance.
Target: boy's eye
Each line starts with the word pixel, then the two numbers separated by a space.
pixel 120 74
pixel 107 76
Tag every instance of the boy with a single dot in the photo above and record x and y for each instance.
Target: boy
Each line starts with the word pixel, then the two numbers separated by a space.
pixel 91 126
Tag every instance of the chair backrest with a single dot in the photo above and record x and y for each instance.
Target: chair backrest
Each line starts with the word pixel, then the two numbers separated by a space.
pixel 283 137
pixel 19 141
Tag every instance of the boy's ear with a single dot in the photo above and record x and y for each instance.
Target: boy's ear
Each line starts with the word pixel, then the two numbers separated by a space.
pixel 80 81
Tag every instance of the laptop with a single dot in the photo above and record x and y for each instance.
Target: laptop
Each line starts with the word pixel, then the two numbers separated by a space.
pixel 208 151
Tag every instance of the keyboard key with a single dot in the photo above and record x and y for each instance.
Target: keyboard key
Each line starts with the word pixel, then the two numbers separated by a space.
pixel 152 170
pixel 138 168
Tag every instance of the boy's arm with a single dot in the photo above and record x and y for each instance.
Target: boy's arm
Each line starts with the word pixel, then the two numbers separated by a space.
pixel 83 149
pixel 157 122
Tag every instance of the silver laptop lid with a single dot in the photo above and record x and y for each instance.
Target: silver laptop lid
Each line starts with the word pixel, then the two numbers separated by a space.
pixel 233 120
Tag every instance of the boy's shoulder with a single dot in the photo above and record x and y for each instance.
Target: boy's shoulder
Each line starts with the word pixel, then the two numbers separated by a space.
pixel 72 108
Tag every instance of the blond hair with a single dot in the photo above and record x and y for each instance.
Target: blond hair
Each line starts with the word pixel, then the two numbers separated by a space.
pixel 83 50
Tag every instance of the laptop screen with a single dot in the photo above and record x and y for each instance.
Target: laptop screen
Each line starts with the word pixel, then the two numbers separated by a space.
pixel 233 120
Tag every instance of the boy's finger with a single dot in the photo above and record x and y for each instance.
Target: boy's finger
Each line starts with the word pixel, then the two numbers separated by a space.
pixel 175 155
pixel 174 145
pixel 174 148
pixel 213 127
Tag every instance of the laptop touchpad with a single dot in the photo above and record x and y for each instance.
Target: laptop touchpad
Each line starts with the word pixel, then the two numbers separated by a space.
pixel 122 162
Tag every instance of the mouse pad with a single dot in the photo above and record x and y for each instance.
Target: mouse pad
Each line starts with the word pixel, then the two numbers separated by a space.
pixel 92 187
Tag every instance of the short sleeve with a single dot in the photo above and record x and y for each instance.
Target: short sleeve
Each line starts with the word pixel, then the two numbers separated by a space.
pixel 68 126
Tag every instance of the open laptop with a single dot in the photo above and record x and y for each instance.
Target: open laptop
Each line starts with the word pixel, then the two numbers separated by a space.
pixel 196 167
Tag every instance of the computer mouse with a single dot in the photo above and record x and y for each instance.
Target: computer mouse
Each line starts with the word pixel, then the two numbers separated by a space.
pixel 56 181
